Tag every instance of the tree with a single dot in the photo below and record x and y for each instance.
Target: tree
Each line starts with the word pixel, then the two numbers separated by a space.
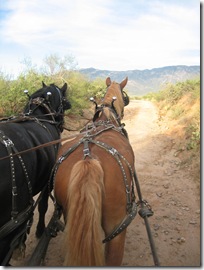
pixel 58 66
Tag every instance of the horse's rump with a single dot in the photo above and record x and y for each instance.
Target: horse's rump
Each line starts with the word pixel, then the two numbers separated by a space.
pixel 94 184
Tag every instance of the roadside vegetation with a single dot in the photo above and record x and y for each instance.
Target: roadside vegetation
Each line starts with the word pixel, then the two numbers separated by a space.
pixel 179 104
pixel 55 70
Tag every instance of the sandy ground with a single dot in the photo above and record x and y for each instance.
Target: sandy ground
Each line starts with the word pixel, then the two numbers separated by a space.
pixel 168 187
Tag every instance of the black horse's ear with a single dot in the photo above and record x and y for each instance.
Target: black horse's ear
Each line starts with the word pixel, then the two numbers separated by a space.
pixel 43 84
pixel 64 88
pixel 108 81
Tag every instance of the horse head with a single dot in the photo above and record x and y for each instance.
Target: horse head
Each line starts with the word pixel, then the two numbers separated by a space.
pixel 51 100
pixel 115 99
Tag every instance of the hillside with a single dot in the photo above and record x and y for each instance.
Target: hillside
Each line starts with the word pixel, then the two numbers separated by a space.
pixel 141 82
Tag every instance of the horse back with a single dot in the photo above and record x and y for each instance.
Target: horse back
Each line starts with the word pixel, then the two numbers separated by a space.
pixel 115 193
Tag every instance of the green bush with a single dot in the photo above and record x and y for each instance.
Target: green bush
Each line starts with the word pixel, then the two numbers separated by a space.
pixel 80 89
pixel 172 93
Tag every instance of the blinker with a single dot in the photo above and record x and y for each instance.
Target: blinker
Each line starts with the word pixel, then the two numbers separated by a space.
pixel 113 100
pixel 48 96
pixel 26 92
pixel 93 100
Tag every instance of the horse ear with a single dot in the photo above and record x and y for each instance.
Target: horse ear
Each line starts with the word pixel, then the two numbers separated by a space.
pixel 123 83
pixel 108 81
pixel 43 84
pixel 64 88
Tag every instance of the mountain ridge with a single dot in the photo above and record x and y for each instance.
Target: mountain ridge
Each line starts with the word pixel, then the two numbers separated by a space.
pixel 141 82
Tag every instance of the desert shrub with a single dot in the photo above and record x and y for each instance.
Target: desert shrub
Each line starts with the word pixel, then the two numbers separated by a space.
pixel 80 89
pixel 181 102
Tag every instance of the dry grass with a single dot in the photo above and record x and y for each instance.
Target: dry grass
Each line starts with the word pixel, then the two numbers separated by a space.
pixel 183 120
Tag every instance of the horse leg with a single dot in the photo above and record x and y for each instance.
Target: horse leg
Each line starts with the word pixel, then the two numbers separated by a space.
pixel 42 209
pixel 115 249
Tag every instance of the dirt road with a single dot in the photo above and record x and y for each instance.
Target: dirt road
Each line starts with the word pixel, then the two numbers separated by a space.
pixel 166 185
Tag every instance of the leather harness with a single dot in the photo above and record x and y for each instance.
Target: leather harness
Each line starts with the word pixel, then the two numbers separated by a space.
pixel 92 130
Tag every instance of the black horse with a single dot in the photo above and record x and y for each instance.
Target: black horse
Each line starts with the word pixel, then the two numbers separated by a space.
pixel 24 175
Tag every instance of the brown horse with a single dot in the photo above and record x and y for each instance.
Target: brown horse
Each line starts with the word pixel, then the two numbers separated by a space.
pixel 94 185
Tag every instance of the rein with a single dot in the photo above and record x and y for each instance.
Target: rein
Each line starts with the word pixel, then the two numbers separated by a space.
pixel 38 147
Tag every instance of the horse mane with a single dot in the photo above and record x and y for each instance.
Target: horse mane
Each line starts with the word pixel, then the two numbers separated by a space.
pixel 114 91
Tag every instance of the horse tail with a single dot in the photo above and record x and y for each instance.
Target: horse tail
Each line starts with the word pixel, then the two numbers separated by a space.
pixel 83 232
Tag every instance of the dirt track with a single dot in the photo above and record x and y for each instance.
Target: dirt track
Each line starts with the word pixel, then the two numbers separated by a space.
pixel 166 185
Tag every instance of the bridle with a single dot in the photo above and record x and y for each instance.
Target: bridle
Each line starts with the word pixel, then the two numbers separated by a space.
pixel 45 103
pixel 100 108
pixel 126 98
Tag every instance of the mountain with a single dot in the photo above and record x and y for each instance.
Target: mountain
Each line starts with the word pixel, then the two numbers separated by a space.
pixel 141 82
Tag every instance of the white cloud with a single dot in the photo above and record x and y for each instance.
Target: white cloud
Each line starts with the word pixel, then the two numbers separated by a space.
pixel 102 37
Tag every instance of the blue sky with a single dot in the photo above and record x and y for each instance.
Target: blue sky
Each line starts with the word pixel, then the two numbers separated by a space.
pixel 104 34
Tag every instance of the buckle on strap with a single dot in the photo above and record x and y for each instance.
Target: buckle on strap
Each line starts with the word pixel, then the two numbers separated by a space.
pixel 86 149
pixel 8 142
pixel 5 140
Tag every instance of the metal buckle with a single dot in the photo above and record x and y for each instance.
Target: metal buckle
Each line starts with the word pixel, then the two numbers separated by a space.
pixel 60 159
pixel 113 151
pixel 86 150
pixel 8 142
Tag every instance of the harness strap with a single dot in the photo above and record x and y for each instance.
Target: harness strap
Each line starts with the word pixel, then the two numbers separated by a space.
pixel 56 166
pixel 21 217
pixel 8 143
pixel 123 225
pixel 91 129
pixel 12 224
pixel 111 150
pixel 86 150
pixel 131 204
